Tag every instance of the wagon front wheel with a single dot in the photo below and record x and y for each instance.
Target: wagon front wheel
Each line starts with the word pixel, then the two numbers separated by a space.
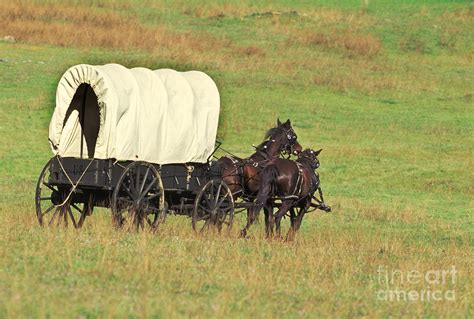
pixel 213 207
pixel 138 198
pixel 55 205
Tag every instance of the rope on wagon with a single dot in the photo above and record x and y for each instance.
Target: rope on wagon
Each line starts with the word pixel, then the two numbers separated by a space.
pixel 74 186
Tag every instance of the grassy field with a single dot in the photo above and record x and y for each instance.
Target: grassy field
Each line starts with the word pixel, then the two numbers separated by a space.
pixel 385 88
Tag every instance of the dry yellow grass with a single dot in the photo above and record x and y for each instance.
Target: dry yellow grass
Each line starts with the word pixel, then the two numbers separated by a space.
pixel 66 25
pixel 354 44
pixel 108 273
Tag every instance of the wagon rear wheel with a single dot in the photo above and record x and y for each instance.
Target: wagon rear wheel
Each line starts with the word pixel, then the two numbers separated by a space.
pixel 55 205
pixel 213 207
pixel 138 198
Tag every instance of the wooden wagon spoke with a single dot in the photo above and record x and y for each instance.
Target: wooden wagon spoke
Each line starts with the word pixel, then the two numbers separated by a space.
pixel 47 210
pixel 204 216
pixel 155 179
pixel 77 208
pixel 126 209
pixel 217 194
pixel 64 214
pixel 72 217
pixel 211 194
pixel 81 221
pixel 222 200
pixel 208 200
pixel 49 186
pixel 54 215
pixel 144 180
pixel 207 210
pixel 227 209
pixel 125 200
pixel 129 191
pixel 206 224
pixel 150 223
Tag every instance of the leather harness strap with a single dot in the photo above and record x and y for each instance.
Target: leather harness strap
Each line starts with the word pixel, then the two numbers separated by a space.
pixel 232 159
pixel 299 181
pixel 238 169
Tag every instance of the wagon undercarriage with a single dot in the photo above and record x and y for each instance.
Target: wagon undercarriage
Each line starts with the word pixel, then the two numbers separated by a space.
pixel 139 194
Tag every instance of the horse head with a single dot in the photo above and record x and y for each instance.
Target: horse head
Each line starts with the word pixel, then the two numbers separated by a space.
pixel 284 134
pixel 311 157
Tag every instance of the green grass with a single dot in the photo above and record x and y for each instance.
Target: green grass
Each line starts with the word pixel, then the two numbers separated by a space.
pixel 397 129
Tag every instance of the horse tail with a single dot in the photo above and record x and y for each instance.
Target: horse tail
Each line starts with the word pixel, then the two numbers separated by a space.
pixel 268 185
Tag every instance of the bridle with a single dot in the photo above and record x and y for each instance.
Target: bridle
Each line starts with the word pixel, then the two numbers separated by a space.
pixel 312 160
pixel 287 147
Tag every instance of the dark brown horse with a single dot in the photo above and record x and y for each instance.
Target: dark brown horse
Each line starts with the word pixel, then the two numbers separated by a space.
pixel 292 182
pixel 242 175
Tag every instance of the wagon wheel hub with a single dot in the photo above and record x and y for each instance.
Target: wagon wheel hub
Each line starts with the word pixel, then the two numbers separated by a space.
pixel 56 198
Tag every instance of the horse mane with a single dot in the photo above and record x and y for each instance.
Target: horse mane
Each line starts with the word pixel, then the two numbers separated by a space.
pixel 269 135
pixel 272 132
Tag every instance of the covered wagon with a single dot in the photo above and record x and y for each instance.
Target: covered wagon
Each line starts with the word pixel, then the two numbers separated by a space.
pixel 138 141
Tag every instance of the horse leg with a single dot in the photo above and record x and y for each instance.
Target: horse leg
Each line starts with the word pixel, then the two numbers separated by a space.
pixel 320 201
pixel 291 231
pixel 303 209
pixel 320 191
pixel 277 226
pixel 285 206
pixel 268 210
pixel 252 214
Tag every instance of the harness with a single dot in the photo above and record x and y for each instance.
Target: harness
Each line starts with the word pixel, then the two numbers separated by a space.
pixel 238 170
pixel 232 159
pixel 298 186
pixel 314 181
pixel 299 180
pixel 260 150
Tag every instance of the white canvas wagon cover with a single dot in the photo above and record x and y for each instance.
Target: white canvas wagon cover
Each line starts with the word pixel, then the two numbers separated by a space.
pixel 161 116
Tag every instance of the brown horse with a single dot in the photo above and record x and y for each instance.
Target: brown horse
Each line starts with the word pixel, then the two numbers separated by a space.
pixel 242 175
pixel 292 182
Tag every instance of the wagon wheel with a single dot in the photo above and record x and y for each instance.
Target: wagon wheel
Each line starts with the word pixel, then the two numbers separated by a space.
pixel 138 199
pixel 54 206
pixel 214 206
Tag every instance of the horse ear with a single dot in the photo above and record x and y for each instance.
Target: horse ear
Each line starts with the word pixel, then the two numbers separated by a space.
pixel 317 152
pixel 278 121
pixel 288 122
